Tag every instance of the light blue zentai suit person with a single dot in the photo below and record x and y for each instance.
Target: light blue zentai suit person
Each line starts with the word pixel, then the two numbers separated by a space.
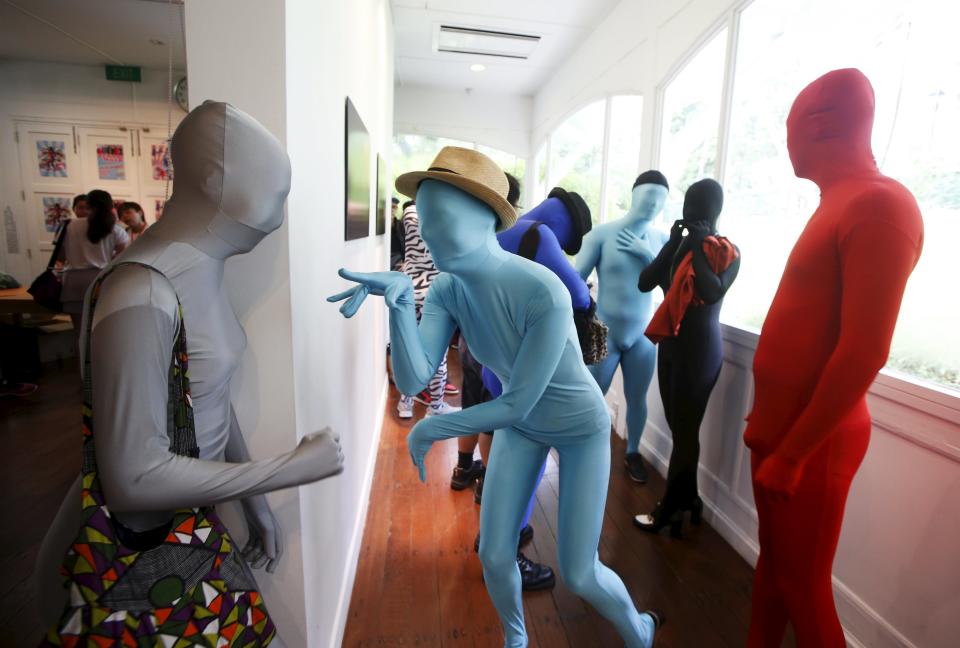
pixel 546 234
pixel 517 316
pixel 620 250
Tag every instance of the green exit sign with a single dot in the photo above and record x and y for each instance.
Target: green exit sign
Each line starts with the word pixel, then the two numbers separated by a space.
pixel 123 73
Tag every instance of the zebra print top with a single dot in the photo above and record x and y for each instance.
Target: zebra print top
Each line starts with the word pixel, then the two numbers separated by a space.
pixel 417 262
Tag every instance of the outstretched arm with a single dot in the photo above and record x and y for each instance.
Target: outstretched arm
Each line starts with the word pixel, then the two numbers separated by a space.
pixel 536 361
pixel 876 261
pixel 415 352
pixel 130 354
pixel 589 255
pixel 550 255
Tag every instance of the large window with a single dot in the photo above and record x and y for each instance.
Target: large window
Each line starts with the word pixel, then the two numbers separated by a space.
pixel 576 155
pixel 595 152
pixel 900 47
pixel 691 122
pixel 623 157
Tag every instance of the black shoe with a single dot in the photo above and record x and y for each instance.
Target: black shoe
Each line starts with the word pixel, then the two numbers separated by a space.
pixel 526 535
pixel 478 487
pixel 464 477
pixel 696 511
pixel 534 576
pixel 654 522
pixel 635 467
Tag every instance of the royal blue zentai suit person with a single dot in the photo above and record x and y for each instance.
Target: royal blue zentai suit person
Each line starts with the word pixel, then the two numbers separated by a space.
pixel 620 250
pixel 517 316
pixel 546 234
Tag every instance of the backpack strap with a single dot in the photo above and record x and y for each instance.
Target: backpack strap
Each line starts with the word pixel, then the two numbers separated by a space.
pixel 530 241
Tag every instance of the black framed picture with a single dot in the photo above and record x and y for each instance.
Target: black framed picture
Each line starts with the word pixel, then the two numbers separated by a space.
pixel 357 165
pixel 383 196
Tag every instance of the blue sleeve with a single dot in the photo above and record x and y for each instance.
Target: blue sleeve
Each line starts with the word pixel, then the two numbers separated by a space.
pixel 550 255
pixel 492 383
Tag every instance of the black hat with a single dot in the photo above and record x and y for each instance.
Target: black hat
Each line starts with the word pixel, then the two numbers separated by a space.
pixel 651 177
pixel 579 213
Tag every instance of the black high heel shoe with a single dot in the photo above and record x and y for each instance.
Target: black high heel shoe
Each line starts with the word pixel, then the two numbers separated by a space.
pixel 696 511
pixel 654 522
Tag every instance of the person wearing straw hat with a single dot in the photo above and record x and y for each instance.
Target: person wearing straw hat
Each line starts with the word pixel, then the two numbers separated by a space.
pixel 517 315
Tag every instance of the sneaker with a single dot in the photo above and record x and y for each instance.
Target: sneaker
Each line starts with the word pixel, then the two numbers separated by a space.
pixel 635 467
pixel 444 408
pixel 451 390
pixel 464 477
pixel 478 488
pixel 534 576
pixel 423 397
pixel 405 407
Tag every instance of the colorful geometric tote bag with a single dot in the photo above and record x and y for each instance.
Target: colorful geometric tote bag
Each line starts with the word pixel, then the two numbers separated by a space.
pixel 184 586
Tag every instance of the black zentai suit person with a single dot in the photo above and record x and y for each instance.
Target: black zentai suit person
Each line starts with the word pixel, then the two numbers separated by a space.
pixel 688 364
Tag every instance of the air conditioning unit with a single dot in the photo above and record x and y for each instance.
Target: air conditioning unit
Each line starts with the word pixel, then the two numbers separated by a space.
pixel 485 42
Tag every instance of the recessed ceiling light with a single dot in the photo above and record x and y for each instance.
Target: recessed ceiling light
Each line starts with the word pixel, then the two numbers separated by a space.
pixel 478 67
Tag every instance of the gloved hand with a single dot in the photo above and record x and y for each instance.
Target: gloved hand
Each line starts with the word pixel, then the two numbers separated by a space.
pixel 676 230
pixel 630 243
pixel 265 537
pixel 395 287
pixel 321 451
pixel 699 230
pixel 779 475
pixel 419 442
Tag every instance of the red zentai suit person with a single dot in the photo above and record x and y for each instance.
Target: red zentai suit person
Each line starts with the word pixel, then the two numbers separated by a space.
pixel 826 336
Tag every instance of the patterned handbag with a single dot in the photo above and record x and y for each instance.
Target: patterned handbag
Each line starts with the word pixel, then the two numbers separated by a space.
pixel 592 333
pixel 181 585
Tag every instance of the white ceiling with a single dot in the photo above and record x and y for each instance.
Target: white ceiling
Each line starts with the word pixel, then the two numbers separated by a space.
pixel 90 32
pixel 562 24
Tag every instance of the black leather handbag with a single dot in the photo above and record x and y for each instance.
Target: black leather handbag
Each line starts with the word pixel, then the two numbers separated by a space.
pixel 46 288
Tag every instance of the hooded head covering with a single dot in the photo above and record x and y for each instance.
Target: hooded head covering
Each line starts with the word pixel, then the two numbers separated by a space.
pixel 231 180
pixel 829 127
pixel 566 214
pixel 703 201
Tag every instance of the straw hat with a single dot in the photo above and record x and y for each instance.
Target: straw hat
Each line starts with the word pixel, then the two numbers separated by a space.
pixel 470 171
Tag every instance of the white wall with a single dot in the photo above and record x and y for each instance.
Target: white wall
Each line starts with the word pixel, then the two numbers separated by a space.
pixel 498 120
pixel 335 50
pixel 897 565
pixel 291 64
pixel 69 93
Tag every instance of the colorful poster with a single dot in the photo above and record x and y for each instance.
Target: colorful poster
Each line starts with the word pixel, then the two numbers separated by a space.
pixel 56 209
pixel 51 159
pixel 110 162
pixel 157 209
pixel 160 162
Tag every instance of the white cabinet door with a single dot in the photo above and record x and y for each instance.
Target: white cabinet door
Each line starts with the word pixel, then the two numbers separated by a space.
pixel 109 160
pixel 52 176
pixel 156 170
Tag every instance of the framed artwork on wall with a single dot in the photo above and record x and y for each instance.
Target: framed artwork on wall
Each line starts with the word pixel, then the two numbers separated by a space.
pixel 357 165
pixel 383 196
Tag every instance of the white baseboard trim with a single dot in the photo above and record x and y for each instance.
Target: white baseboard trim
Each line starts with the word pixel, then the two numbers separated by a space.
pixel 356 542
pixel 856 614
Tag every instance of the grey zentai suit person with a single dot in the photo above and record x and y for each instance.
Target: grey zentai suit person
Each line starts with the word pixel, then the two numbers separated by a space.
pixel 232 178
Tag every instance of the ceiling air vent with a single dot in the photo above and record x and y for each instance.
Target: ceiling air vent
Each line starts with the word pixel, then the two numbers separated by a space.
pixel 485 42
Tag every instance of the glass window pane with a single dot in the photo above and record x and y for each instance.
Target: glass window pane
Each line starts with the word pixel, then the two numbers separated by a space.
pixel 626 113
pixel 899 46
pixel 691 119
pixel 576 149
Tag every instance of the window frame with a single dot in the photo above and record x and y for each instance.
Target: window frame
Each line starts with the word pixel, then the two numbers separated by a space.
pixel 910 387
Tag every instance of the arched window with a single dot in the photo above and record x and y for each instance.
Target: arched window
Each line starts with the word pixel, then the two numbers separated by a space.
pixel 900 47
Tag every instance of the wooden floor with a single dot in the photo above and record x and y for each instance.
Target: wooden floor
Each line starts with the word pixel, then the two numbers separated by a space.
pixel 419 581
pixel 40 437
